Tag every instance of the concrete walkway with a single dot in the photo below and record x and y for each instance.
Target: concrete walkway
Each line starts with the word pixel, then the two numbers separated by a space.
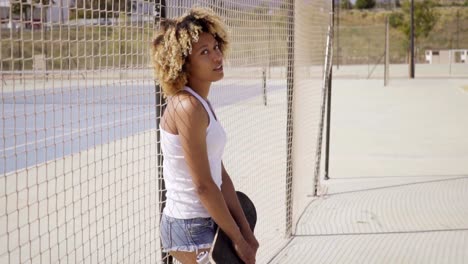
pixel 399 177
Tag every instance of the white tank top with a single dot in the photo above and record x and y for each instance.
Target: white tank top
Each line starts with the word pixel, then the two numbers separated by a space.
pixel 182 198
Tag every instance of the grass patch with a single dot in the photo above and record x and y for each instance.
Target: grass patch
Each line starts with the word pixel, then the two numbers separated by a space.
pixel 77 47
pixel 258 37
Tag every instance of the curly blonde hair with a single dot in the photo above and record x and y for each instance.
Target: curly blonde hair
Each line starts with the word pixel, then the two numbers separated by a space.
pixel 173 44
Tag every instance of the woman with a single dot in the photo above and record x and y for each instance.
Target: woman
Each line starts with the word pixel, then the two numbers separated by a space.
pixel 188 56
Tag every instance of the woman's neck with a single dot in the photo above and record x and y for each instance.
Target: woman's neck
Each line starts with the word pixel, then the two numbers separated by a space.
pixel 202 89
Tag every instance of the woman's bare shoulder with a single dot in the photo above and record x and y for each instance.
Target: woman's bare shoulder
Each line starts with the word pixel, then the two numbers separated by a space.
pixel 187 108
pixel 185 103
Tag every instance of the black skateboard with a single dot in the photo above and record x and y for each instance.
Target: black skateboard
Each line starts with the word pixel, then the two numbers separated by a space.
pixel 223 251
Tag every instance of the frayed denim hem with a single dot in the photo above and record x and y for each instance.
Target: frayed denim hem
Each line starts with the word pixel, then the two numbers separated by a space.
pixel 191 248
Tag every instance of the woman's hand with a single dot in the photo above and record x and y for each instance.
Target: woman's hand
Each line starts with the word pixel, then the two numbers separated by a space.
pixel 250 238
pixel 244 251
pixel 252 241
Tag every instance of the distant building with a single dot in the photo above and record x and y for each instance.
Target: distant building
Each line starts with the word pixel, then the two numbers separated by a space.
pixel 4 9
pixel 58 11
pixel 448 56
pixel 141 11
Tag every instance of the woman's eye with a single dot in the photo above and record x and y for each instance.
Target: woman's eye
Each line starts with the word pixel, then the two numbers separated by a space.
pixel 204 52
pixel 216 47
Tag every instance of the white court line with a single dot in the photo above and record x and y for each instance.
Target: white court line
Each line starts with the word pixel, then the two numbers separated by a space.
pixel 71 133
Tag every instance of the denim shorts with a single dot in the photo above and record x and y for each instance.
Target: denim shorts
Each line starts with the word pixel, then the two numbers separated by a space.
pixel 186 234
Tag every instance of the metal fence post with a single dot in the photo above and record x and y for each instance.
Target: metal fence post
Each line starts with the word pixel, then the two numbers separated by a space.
pixel 289 126
pixel 160 103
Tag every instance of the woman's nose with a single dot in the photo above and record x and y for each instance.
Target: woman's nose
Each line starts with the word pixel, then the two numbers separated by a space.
pixel 217 56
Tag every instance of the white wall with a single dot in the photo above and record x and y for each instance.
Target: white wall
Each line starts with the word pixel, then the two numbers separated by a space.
pixel 59 11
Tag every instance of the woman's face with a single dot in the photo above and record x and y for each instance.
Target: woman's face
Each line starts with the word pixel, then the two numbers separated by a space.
pixel 205 63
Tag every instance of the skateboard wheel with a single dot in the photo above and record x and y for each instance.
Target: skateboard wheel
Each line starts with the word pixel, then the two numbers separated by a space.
pixel 203 258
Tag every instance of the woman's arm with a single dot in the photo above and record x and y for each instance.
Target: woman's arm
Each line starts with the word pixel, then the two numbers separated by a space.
pixel 230 196
pixel 192 121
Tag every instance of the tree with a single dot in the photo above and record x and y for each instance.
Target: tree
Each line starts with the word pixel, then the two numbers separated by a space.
pixel 346 4
pixel 365 4
pixel 425 18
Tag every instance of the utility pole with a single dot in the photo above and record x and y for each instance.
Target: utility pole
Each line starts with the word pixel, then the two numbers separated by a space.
pixel 412 41
pixel 338 32
pixel 458 29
